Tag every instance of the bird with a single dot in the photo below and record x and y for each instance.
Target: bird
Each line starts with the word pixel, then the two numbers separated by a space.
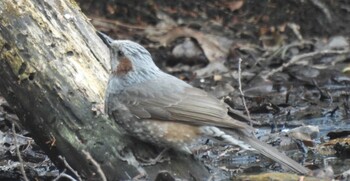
pixel 161 109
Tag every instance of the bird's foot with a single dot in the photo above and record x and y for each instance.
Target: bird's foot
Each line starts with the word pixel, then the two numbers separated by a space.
pixel 152 161
pixel 141 176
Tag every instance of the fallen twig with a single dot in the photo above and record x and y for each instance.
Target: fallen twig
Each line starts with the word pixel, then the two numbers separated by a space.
pixel 296 30
pixel 301 57
pixel 323 8
pixel 70 168
pixel 94 162
pixel 21 165
pixel 295 44
pixel 240 89
pixel 282 51
pixel 64 175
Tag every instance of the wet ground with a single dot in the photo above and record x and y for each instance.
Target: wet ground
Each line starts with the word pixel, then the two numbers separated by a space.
pixel 291 61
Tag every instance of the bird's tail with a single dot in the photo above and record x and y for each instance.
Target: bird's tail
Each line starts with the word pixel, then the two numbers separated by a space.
pixel 275 155
pixel 249 142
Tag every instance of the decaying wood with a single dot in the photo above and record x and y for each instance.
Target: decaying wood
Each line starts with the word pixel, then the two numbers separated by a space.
pixel 53 71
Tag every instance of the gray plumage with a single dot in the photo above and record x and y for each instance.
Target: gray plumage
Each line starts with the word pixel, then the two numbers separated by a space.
pixel 161 104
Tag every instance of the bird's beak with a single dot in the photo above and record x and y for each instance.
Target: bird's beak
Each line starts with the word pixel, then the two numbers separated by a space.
pixel 106 39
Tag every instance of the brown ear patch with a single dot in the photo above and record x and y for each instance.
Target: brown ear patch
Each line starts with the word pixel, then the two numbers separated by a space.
pixel 123 67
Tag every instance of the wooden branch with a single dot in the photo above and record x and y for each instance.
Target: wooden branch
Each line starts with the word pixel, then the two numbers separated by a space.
pixel 53 70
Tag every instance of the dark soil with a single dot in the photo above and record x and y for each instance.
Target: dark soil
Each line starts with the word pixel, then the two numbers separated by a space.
pixel 267 35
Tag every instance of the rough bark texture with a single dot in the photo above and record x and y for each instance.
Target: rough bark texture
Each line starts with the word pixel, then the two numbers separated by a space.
pixel 53 70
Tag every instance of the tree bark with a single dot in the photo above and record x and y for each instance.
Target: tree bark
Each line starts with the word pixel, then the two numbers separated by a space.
pixel 53 71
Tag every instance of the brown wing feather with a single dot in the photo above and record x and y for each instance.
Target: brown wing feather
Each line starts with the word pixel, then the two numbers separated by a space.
pixel 175 100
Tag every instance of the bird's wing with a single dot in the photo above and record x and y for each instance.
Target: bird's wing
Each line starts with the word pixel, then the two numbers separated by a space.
pixel 170 99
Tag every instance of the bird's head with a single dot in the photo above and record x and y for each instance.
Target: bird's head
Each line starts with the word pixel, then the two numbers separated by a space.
pixel 128 57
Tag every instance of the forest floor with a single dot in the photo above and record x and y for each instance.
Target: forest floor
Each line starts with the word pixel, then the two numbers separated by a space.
pixel 284 64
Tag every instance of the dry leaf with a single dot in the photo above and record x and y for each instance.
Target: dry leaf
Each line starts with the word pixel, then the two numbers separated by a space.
pixel 214 47
pixel 234 5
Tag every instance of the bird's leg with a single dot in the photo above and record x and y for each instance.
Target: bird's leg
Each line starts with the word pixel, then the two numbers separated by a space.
pixel 129 157
pixel 152 161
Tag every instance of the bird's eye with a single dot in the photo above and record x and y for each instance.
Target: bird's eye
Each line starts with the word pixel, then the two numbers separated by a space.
pixel 120 53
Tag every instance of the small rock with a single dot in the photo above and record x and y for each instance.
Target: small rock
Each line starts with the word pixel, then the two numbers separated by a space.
pixel 222 90
pixel 338 42
pixel 187 49
pixel 304 133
